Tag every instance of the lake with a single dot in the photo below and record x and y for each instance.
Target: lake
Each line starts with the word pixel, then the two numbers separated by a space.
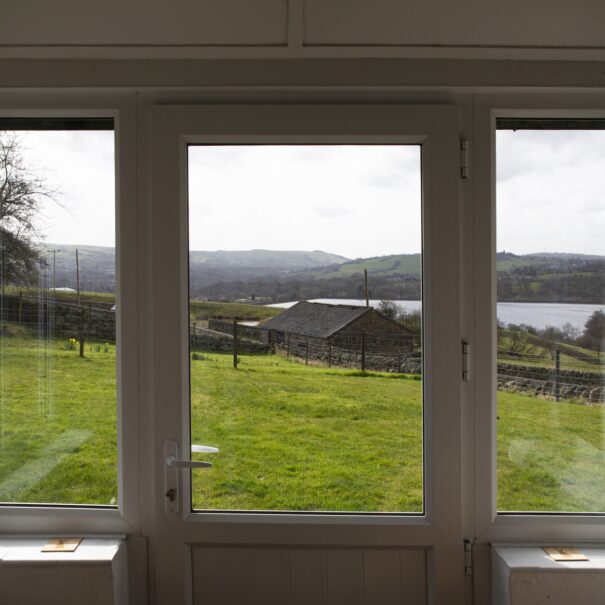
pixel 538 315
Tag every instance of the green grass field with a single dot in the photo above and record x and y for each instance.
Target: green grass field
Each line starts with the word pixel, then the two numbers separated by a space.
pixel 57 423
pixel 205 309
pixel 291 436
pixel 100 297
pixel 306 438
pixel 531 350
pixel 551 455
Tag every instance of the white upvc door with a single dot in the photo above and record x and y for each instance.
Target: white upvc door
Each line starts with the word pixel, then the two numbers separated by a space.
pixel 491 525
pixel 253 548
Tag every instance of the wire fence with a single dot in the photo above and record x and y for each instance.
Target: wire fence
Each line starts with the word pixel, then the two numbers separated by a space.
pixel 553 374
pixel 550 374
pixel 563 373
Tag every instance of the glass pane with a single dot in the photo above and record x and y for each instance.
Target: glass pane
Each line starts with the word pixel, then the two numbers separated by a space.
pixel 313 398
pixel 57 339
pixel 551 316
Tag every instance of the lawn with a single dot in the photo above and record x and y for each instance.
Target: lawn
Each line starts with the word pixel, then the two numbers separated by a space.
pixel 305 438
pixel 57 423
pixel 550 455
pixel 291 436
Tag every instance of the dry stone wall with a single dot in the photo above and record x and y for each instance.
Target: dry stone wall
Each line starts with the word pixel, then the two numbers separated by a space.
pixel 545 382
pixel 59 318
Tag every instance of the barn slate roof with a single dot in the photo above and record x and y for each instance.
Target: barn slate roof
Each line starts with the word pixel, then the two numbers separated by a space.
pixel 315 319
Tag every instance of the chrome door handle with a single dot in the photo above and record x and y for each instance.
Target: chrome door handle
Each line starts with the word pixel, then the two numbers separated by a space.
pixel 173 478
pixel 172 462
pixel 204 449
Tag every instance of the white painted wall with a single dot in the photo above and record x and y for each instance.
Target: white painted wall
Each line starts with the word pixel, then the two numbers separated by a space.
pixel 475 24
pixel 467 23
pixel 143 22
pixel 304 576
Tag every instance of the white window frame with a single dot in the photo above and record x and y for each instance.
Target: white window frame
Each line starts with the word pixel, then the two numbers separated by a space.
pixel 436 127
pixel 490 526
pixel 139 505
pixel 125 518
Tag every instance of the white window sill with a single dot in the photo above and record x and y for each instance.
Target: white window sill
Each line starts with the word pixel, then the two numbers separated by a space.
pixel 29 575
pixel 526 575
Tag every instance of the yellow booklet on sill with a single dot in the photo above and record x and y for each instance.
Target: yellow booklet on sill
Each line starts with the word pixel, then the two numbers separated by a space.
pixel 563 553
pixel 61 545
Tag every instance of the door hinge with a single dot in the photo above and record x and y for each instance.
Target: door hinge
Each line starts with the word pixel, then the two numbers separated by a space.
pixel 468 557
pixel 466 361
pixel 464 170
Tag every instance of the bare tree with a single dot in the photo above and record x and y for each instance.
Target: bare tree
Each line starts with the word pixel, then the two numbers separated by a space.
pixel 22 192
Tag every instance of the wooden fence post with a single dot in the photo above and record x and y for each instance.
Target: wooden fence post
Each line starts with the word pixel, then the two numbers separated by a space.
pixel 307 352
pixel 20 305
pixel 81 330
pixel 235 344
pixel 557 371
pixel 363 351
pixel 329 356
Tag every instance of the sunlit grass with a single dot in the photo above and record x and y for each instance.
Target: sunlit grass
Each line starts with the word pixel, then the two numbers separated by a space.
pixel 57 423
pixel 550 455
pixel 298 437
pixel 290 436
pixel 205 309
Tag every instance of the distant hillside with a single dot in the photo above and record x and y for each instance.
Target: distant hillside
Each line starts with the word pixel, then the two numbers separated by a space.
pixel 551 277
pixel 278 276
pixel 378 266
pixel 97 267
pixel 209 271
pixel 545 277
pixel 278 259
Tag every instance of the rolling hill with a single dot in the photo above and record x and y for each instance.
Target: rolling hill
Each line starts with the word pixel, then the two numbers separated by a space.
pixel 278 275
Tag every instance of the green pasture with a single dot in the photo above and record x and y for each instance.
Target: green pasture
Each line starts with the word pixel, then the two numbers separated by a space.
pixel 551 455
pixel 57 422
pixel 206 309
pixel 305 438
pixel 98 297
pixel 290 436
pixel 531 350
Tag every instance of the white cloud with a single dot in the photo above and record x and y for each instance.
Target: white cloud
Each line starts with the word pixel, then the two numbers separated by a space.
pixel 352 200
pixel 80 166
pixel 550 191
pixel 305 198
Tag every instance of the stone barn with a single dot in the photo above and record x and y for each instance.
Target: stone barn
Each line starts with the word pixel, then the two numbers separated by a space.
pixel 310 329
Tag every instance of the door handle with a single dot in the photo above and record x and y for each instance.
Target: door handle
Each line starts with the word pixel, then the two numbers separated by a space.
pixel 172 462
pixel 172 476
pixel 204 449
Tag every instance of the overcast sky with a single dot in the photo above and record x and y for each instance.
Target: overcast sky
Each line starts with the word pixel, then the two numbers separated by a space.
pixel 80 167
pixel 350 200
pixel 551 191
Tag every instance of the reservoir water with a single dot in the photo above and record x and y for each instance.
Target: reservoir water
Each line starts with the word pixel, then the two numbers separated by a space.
pixel 538 315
